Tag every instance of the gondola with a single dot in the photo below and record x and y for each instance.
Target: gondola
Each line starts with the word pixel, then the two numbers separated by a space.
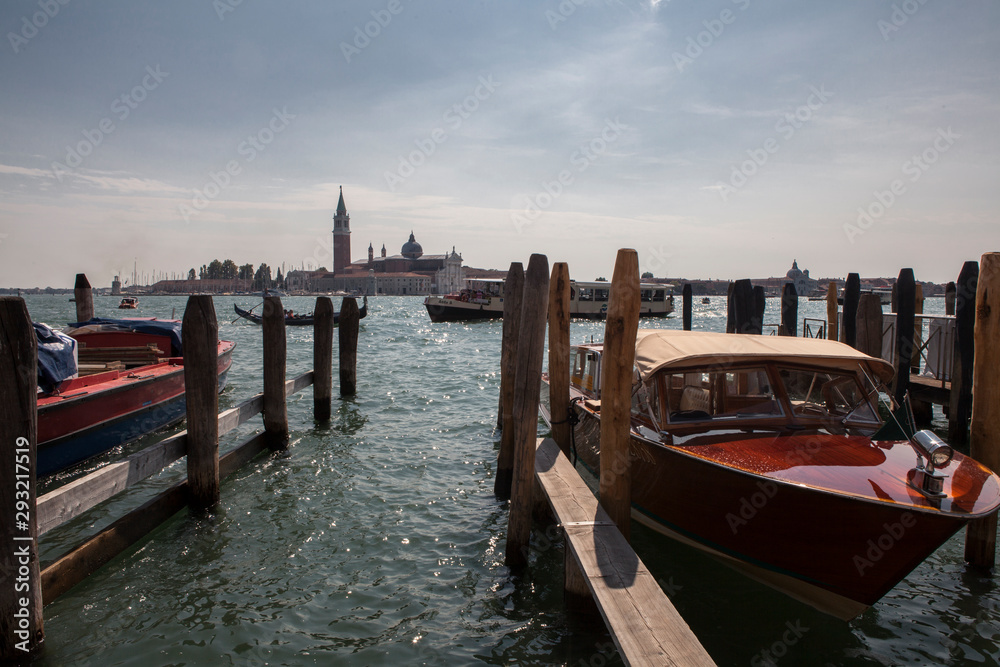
pixel 298 320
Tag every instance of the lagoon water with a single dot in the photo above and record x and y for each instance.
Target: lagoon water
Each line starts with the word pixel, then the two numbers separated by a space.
pixel 376 539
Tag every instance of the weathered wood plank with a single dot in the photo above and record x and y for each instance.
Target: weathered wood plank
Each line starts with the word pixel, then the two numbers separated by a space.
pixel 200 334
pixel 645 626
pixel 559 355
pixel 84 297
pixel 527 387
pixel 19 527
pixel 275 354
pixel 512 293
pixel 984 436
pixel 349 324
pixel 323 358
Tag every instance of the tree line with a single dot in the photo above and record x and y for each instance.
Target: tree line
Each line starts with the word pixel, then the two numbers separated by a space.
pixel 229 270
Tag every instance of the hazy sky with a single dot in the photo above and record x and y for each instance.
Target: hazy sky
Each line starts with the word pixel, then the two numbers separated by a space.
pixel 720 139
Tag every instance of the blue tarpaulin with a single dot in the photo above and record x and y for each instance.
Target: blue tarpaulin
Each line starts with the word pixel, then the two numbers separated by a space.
pixel 170 328
pixel 56 357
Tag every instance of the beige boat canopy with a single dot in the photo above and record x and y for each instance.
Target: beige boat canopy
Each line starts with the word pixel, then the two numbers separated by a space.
pixel 656 349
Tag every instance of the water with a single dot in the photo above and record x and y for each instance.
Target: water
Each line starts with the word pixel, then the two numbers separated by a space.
pixel 376 538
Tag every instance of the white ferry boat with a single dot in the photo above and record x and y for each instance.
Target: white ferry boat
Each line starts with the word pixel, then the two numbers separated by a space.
pixel 483 299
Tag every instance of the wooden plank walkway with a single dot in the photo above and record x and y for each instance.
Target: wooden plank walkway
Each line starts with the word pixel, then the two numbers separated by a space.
pixel 645 626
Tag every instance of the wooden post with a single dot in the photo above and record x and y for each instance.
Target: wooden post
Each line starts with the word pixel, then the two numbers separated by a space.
pixel 918 328
pixel 617 364
pixel 789 311
pixel 730 308
pixel 960 406
pixel 905 295
pixel 832 330
pixel 984 440
pixel 559 355
pixel 688 298
pixel 527 386
pixel 22 631
pixel 895 299
pixel 513 292
pixel 84 297
pixel 849 318
pixel 275 406
pixel 759 307
pixel 200 340
pixel 868 327
pixel 348 326
pixel 949 299
pixel 322 359
pixel 744 307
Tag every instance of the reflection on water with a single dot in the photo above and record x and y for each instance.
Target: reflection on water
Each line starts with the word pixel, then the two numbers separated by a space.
pixel 376 539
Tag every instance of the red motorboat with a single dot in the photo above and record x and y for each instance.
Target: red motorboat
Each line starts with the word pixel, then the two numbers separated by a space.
pixel 131 383
pixel 769 453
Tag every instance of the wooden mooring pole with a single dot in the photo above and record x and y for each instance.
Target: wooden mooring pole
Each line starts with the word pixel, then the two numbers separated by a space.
pixel 687 297
pixel 323 359
pixel 743 306
pixel 918 328
pixel 559 355
pixel 984 440
pixel 832 330
pixel 852 293
pixel 789 311
pixel 868 325
pixel 730 308
pixel 200 339
pixel 513 292
pixel 275 346
pixel 905 299
pixel 22 631
pixel 949 299
pixel 348 330
pixel 84 297
pixel 960 406
pixel 527 386
pixel 617 363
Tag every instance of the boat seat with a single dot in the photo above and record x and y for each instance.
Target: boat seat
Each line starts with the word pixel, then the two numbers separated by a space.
pixel 695 398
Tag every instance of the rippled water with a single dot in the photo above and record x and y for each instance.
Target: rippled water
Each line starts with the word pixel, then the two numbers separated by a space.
pixel 376 538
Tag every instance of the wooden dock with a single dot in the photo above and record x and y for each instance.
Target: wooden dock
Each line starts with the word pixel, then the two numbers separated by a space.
pixel 645 626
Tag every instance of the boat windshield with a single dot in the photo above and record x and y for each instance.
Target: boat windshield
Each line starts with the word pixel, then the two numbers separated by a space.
pixel 744 393
pixel 826 394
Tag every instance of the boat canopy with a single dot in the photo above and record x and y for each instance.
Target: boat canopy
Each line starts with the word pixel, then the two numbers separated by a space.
pixel 56 357
pixel 171 328
pixel 656 349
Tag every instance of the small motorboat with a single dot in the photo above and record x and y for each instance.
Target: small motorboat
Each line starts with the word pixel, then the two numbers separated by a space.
pixel 770 454
pixel 293 320
pixel 129 302
pixel 128 381
pixel 705 299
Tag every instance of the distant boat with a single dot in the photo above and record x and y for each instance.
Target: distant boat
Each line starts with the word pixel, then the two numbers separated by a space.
pixel 705 299
pixel 129 302
pixel 131 382
pixel 297 320
pixel 483 299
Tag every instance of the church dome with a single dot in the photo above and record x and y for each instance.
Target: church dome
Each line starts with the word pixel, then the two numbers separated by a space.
pixel 794 273
pixel 412 249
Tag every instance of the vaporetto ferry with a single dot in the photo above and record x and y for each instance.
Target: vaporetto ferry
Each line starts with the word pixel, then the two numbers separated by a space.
pixel 483 300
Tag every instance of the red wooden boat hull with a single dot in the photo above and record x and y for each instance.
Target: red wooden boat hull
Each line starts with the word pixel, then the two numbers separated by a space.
pixel 93 414
pixel 775 507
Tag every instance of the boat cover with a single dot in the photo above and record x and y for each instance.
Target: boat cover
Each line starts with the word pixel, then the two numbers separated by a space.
pixel 656 349
pixel 56 357
pixel 171 328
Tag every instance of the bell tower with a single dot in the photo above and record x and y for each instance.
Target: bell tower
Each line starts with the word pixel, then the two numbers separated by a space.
pixel 341 237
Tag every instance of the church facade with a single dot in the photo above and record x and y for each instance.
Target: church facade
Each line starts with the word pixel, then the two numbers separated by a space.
pixel 407 273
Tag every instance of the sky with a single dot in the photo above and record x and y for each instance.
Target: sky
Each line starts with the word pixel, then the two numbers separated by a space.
pixel 720 139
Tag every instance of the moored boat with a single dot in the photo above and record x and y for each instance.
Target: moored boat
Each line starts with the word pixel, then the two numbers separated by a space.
pixel 293 320
pixel 483 299
pixel 129 381
pixel 769 453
